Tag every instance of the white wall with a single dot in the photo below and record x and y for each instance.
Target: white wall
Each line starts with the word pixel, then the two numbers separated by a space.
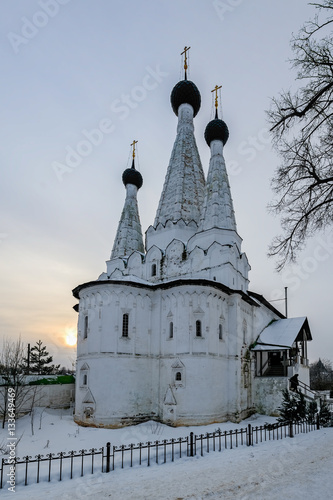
pixel 51 395
pixel 133 379
pixel 268 393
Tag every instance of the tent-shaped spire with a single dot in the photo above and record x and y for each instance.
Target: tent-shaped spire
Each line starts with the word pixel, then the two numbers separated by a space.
pixel 129 234
pixel 218 210
pixel 183 189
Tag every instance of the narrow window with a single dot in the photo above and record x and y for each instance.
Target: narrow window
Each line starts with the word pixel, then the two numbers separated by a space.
pixel 125 325
pixel 85 379
pixel 244 331
pixel 178 376
pixel 220 332
pixel 153 270
pixel 85 330
pixel 171 330
pixel 198 328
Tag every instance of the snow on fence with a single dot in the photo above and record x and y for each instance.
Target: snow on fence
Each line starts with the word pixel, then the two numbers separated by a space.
pixel 67 465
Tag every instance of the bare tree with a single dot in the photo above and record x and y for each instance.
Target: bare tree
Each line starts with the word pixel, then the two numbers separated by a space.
pixel 302 130
pixel 41 417
pixel 11 376
pixel 35 398
pixel 13 381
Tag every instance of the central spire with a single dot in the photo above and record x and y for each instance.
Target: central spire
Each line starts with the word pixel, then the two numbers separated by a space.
pixel 183 189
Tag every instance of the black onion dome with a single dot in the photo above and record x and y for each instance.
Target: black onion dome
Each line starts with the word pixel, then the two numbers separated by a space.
pixel 187 92
pixel 132 176
pixel 216 130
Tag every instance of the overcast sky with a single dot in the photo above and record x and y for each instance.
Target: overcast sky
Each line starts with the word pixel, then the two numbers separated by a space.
pixel 69 67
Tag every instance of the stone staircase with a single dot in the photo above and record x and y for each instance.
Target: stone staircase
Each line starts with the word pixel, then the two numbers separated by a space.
pixel 275 371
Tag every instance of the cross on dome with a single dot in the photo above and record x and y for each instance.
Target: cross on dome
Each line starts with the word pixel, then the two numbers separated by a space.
pixel 185 91
pixel 133 146
pixel 215 89
pixel 131 175
pixel 185 59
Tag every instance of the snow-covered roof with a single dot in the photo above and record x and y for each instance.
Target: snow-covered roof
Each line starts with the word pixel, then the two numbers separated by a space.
pixel 282 333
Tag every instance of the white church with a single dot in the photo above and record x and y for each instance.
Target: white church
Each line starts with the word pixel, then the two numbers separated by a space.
pixel 171 332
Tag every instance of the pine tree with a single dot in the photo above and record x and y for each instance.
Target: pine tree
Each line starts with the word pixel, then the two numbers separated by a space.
pixel 312 412
pixel 40 360
pixel 324 414
pixel 302 411
pixel 294 408
pixel 288 410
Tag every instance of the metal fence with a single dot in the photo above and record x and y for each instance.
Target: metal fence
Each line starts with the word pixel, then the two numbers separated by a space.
pixel 53 466
pixel 192 445
pixel 67 465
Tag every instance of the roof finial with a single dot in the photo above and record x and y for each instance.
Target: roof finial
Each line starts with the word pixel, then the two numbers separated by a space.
pixel 133 146
pixel 216 98
pixel 133 153
pixel 185 59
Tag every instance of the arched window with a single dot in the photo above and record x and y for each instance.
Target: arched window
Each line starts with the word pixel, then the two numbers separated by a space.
pixel 171 330
pixel 85 328
pixel 125 325
pixel 83 375
pixel 178 376
pixel 153 270
pixel 220 332
pixel 198 328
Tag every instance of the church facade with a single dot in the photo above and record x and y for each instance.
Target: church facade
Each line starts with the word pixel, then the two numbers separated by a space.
pixel 171 331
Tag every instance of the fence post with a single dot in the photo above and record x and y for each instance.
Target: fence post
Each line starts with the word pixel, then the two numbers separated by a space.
pixel 108 455
pixel 1 477
pixel 249 435
pixel 191 444
pixel 318 422
pixel 26 469
pixel 148 450
pixel 291 430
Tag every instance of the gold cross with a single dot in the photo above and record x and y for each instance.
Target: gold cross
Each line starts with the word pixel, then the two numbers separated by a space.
pixel 185 57
pixel 133 145
pixel 215 90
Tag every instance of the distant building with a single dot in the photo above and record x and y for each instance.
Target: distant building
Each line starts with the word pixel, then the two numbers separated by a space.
pixel 171 331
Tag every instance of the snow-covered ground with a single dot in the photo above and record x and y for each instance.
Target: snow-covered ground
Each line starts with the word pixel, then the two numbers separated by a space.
pixel 297 468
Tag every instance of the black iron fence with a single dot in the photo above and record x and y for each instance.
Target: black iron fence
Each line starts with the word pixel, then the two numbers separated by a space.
pixel 67 465
pixel 199 444
pixel 53 466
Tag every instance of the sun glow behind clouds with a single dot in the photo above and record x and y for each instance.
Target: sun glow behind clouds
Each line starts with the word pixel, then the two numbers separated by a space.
pixel 70 337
